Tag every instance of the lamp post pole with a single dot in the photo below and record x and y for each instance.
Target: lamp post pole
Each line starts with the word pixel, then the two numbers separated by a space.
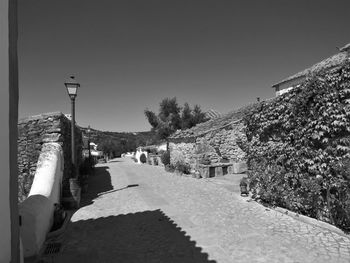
pixel 73 136
pixel 88 132
pixel 72 88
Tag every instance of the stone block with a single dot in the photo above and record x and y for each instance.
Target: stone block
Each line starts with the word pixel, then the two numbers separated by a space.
pixel 218 171
pixel 239 167
pixel 52 137
pixel 204 172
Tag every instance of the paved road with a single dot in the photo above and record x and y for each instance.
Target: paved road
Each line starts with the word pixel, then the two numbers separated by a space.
pixel 140 213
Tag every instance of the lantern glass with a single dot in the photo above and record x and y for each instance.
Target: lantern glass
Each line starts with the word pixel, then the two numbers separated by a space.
pixel 72 87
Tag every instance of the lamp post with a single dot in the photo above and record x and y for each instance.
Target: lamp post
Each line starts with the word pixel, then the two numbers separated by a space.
pixel 72 88
pixel 88 132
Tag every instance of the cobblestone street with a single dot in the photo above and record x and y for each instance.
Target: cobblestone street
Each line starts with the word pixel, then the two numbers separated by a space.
pixel 140 213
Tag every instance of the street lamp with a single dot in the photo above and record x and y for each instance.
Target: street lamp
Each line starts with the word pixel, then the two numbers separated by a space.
pixel 88 132
pixel 72 88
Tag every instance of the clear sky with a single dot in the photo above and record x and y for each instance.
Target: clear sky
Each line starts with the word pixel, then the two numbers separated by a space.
pixel 128 55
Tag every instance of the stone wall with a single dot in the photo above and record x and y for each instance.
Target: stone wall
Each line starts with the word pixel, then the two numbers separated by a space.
pixel 32 133
pixel 215 145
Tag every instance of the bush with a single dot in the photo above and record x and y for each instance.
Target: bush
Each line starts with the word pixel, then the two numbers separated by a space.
pixel 176 157
pixel 183 168
pixel 143 158
pixel 165 157
pixel 169 168
pixel 298 146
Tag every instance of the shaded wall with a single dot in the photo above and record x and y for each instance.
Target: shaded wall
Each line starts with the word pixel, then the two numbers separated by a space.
pixel 32 133
pixel 9 220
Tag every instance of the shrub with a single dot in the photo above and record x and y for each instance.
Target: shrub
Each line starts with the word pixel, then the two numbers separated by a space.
pixel 298 146
pixel 169 168
pixel 176 157
pixel 161 152
pixel 183 168
pixel 165 157
pixel 143 158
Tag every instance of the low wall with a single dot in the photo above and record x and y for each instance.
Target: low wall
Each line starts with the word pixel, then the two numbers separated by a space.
pixel 154 159
pixel 138 155
pixel 37 210
pixel 33 132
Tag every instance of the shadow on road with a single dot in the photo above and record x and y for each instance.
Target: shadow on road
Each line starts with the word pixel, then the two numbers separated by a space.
pixel 115 190
pixel 148 236
pixel 115 161
pixel 99 182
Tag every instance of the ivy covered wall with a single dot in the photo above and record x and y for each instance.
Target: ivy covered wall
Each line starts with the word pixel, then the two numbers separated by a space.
pixel 298 148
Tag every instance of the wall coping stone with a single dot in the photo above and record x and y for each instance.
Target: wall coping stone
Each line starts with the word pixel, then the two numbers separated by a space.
pixel 215 165
pixel 188 138
pixel 40 116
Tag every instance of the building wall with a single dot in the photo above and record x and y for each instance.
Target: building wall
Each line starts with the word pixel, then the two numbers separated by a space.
pixel 32 133
pixel 215 145
pixel 9 221
pixel 287 86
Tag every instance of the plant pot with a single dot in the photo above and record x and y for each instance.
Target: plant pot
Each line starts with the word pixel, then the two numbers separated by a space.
pixel 84 188
pixel 75 192
pixel 244 190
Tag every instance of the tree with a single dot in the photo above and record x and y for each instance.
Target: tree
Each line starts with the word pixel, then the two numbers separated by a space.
pixel 186 117
pixel 198 115
pixel 171 117
pixel 168 119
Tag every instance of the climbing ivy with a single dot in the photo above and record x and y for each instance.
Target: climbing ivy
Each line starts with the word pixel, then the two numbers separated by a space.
pixel 298 148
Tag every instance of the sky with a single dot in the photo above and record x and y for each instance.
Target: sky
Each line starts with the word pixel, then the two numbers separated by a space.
pixel 128 55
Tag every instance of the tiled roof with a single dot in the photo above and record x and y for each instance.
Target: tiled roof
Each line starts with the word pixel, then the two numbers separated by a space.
pixel 327 63
pixel 212 114
pixel 214 124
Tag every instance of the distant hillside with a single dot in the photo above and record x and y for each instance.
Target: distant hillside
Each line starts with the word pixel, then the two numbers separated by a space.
pixel 116 143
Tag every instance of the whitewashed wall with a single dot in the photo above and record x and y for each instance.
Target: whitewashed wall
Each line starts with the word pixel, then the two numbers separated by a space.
pixel 38 209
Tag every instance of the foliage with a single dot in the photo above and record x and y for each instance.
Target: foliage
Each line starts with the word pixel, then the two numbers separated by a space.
pixel 177 161
pixel 165 157
pixel 169 168
pixel 176 157
pixel 115 143
pixel 186 117
pixel 85 166
pixel 198 116
pixel 168 119
pixel 172 117
pixel 183 167
pixel 143 158
pixel 298 148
